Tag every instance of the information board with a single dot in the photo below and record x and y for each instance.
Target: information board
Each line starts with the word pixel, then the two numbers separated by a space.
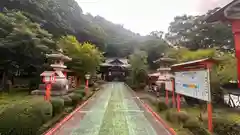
pixel 168 85
pixel 193 84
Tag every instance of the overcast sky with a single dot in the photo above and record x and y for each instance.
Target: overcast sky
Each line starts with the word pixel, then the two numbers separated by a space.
pixel 144 16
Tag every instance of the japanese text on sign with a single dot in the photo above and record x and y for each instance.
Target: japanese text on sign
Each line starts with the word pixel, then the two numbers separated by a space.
pixel 193 84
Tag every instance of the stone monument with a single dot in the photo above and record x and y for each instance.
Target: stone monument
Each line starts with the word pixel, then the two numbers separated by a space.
pixel 61 84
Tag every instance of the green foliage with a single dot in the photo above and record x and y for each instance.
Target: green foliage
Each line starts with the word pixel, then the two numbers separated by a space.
pixel 155 48
pixel 76 98
pixel 23 44
pixel 177 117
pixel 25 118
pixel 223 126
pixel 81 92
pixel 162 106
pixel 138 62
pixel 184 55
pixel 58 105
pixel 86 57
pixel 67 101
pixel 195 127
pixel 194 33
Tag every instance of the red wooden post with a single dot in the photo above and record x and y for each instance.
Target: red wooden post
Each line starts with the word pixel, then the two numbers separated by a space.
pixel 166 97
pixel 209 107
pixel 173 94
pixel 86 87
pixel 178 102
pixel 236 32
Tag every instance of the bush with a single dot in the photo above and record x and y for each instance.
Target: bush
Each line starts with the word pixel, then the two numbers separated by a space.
pixel 67 101
pixel 58 105
pixel 195 127
pixel 177 117
pixel 162 106
pixel 96 86
pixel 76 98
pixel 25 118
pixel 80 92
pixel 223 126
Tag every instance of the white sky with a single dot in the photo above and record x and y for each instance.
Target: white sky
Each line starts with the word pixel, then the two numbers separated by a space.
pixel 144 16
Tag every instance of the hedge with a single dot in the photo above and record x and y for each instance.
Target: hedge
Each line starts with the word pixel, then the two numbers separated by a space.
pixel 224 126
pixel 76 98
pixel 80 92
pixel 162 106
pixel 177 117
pixel 67 101
pixel 25 118
pixel 195 127
pixel 57 105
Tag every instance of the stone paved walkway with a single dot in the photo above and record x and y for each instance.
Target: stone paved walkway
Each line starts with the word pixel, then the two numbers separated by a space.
pixel 113 111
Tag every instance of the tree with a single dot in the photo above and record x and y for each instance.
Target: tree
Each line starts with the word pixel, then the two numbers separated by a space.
pixel 138 61
pixel 86 57
pixel 22 43
pixel 157 34
pixel 155 48
pixel 194 33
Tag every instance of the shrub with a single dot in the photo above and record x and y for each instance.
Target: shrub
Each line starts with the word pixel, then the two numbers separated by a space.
pixel 177 117
pixel 76 98
pixel 171 116
pixel 58 105
pixel 80 92
pixel 25 118
pixel 224 126
pixel 195 127
pixel 96 86
pixel 162 106
pixel 67 101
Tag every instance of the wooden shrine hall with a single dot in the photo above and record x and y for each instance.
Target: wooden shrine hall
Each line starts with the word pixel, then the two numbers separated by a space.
pixel 114 69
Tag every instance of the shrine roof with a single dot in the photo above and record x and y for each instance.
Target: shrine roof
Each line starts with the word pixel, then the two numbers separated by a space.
pixel 116 61
pixel 220 15
pixel 196 62
pixel 123 60
pixel 165 59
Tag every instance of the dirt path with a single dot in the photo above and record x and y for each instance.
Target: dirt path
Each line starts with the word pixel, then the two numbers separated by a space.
pixel 113 111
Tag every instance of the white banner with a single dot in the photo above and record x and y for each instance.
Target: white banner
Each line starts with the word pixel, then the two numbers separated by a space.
pixel 194 84
pixel 168 85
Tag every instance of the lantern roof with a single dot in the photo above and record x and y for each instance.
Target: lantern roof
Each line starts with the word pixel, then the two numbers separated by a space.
pixel 164 69
pixel 47 73
pixel 165 59
pixel 58 56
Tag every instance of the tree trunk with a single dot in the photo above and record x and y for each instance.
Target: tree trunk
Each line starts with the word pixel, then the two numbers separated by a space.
pixel 5 80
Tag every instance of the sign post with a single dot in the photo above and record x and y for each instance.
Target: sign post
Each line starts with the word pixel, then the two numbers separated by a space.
pixel 193 79
pixel 169 87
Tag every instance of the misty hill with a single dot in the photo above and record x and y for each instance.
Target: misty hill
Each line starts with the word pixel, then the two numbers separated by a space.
pixel 61 17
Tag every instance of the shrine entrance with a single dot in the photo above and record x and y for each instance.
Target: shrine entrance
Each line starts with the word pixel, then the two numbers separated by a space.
pixel 116 73
pixel 114 69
